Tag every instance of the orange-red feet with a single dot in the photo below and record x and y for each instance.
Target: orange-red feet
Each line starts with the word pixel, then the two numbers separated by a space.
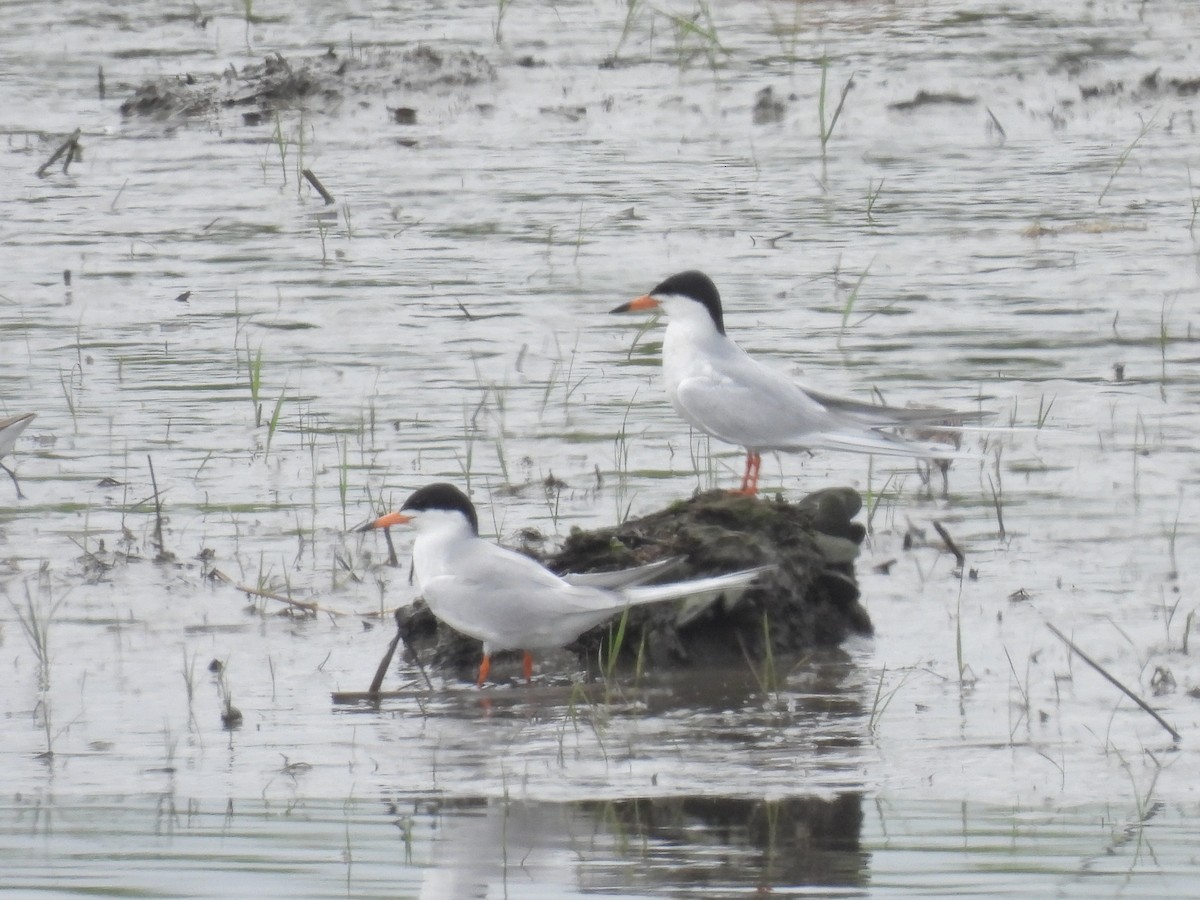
pixel 750 479
pixel 485 666
pixel 527 667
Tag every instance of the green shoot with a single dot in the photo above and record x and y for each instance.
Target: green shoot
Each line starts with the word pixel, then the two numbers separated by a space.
pixel 873 192
pixel 274 423
pixel 615 642
pixel 826 131
pixel 1124 157
pixel 255 371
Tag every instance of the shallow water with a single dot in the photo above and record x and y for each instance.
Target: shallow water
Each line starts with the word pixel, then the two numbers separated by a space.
pixel 446 319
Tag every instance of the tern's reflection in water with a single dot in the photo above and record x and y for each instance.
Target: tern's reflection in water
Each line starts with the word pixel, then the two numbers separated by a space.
pixel 481 846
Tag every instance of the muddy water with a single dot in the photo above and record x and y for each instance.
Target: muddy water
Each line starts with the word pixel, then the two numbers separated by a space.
pixel 1029 250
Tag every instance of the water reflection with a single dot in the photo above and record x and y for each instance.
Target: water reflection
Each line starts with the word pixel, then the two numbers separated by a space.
pixel 642 844
pixel 727 842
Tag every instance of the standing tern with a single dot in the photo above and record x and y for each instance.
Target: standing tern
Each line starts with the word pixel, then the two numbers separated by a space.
pixel 720 390
pixel 10 428
pixel 512 602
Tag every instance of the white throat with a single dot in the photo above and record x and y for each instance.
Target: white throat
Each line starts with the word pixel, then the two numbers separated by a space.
pixel 440 533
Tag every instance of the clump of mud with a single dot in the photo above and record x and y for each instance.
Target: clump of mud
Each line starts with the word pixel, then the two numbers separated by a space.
pixel 1151 86
pixel 321 82
pixel 809 599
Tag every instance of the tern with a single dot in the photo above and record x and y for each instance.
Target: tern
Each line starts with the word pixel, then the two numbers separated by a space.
pixel 10 428
pixel 719 389
pixel 509 601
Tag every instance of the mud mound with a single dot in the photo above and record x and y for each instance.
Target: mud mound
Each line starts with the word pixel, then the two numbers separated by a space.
pixel 321 82
pixel 809 599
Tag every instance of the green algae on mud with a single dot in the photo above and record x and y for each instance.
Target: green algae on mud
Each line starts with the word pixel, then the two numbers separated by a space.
pixel 809 597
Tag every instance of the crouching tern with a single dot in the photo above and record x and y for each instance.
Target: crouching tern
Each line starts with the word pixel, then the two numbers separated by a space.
pixel 511 602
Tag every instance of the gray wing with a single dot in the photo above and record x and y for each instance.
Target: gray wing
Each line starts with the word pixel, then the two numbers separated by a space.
pixel 742 402
pixel 879 416
pixel 625 577
pixel 510 601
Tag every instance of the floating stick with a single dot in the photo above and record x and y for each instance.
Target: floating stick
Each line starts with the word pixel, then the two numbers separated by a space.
pixel 1126 691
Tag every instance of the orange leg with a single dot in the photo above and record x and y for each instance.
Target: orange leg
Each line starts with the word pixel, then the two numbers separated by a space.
pixel 750 478
pixel 527 667
pixel 484 667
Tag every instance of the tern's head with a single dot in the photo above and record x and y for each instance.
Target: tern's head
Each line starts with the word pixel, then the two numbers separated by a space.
pixel 688 296
pixel 432 506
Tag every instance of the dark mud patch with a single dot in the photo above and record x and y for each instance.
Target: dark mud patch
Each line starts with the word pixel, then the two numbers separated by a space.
pixel 809 599
pixel 321 83
pixel 932 98
pixel 1151 86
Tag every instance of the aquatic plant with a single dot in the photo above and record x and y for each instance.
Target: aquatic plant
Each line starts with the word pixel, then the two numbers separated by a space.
pixel 881 701
pixel 873 497
pixel 274 421
pixel 1023 690
pixel 254 371
pixel 621 463
pixel 498 25
pixel 826 129
pixel 695 34
pixel 36 618
pixel 612 649
pixel 189 680
pixel 851 299
pixel 873 192
pixel 1124 157
pixel 280 140
pixel 1194 200
pixel 322 231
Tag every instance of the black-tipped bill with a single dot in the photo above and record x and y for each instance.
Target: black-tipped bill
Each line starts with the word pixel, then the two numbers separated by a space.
pixel 639 304
pixel 393 518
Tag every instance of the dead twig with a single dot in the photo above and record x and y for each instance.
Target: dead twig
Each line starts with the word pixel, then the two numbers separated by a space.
pixel 384 663
pixel 70 147
pixel 316 183
pixel 377 681
pixel 158 523
pixel 959 556
pixel 1126 691
pixel 306 605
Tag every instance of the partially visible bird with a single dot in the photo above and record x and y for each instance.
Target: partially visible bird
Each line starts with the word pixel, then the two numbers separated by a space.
pixel 720 390
pixel 509 601
pixel 10 429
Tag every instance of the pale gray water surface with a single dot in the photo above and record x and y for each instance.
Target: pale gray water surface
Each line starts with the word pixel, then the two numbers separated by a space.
pixel 446 319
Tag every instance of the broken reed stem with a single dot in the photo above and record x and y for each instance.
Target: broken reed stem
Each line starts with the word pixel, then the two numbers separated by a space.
pixel 316 183
pixel 306 605
pixel 70 146
pixel 998 506
pixel 377 681
pixel 158 528
pixel 393 559
pixel 1126 691
pixel 959 556
pixel 381 671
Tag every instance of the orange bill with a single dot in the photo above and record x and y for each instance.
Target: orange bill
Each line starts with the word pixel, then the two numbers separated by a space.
pixel 387 521
pixel 639 304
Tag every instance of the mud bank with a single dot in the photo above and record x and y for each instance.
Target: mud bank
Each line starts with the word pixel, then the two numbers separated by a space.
pixel 322 82
pixel 809 599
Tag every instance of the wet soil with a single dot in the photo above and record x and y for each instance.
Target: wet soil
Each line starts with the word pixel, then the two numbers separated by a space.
pixel 320 82
pixel 809 599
